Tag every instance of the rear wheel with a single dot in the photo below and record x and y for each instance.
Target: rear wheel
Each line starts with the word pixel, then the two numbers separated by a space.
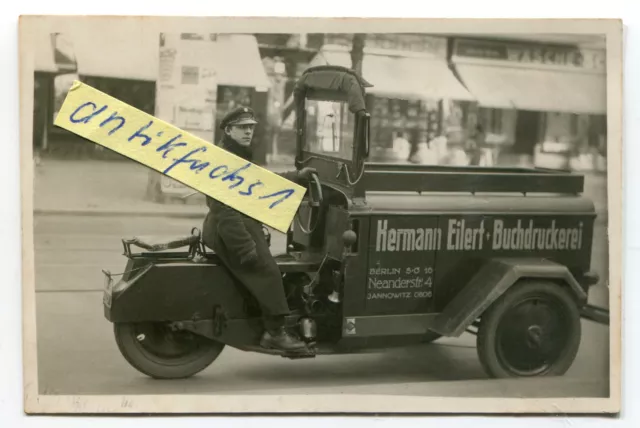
pixel 158 351
pixel 532 330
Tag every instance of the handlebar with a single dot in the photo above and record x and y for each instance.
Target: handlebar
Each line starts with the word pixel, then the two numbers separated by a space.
pixel 315 190
pixel 315 201
pixel 367 131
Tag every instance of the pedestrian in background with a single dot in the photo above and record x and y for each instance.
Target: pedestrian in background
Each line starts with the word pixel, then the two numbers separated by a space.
pixel 476 145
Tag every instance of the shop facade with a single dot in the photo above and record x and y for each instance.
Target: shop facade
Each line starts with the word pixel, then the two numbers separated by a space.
pixel 541 104
pixel 415 97
pixel 131 66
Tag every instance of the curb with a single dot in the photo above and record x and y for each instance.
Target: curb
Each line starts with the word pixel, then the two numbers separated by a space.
pixel 96 213
pixel 601 217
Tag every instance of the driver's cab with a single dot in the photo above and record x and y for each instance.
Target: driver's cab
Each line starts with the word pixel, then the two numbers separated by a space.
pixel 332 136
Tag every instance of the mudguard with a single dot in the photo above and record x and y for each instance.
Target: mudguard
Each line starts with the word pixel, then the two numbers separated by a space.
pixel 176 291
pixel 491 281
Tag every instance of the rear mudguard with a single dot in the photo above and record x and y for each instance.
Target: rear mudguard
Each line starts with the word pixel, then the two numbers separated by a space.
pixel 491 281
pixel 175 291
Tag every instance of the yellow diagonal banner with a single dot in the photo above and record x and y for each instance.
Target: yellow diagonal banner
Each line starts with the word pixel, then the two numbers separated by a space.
pixel 255 191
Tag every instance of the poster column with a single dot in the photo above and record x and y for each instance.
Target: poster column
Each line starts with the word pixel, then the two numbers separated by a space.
pixel 186 91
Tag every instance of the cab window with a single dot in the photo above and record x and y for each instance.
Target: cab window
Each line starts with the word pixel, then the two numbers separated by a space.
pixel 330 129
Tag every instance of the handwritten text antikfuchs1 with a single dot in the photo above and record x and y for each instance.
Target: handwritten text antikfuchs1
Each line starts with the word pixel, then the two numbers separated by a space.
pixel 89 111
pixel 255 191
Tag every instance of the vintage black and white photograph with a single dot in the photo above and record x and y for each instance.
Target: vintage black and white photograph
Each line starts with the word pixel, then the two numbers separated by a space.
pixel 457 248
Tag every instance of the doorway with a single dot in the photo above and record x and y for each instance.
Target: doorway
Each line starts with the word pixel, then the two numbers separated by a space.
pixel 527 133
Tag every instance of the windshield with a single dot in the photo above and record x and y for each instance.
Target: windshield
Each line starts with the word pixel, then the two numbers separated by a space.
pixel 330 128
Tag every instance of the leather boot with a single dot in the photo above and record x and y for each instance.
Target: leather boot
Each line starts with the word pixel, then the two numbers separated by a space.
pixel 280 339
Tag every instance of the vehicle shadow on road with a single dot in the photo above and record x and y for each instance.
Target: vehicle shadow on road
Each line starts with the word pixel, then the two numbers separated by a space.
pixel 432 362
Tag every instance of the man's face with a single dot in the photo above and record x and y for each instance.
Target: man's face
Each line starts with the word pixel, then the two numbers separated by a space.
pixel 241 133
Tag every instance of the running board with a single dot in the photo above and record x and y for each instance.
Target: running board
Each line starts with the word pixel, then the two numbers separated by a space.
pixel 309 352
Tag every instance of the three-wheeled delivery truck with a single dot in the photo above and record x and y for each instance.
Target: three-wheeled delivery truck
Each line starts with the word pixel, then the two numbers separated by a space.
pixel 378 256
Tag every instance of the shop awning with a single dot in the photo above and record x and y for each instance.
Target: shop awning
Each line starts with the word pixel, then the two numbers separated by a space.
pixel 535 89
pixel 400 76
pixel 133 53
pixel 44 56
pixel 53 53
pixel 130 52
pixel 238 62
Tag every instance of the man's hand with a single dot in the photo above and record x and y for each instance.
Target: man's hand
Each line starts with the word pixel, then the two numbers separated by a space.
pixel 305 173
pixel 250 259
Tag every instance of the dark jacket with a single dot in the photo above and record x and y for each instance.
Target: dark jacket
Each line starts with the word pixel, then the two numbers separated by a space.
pixel 232 235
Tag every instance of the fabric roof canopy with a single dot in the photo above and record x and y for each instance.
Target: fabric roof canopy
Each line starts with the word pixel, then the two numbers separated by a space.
pixel 535 89
pixel 335 80
pixel 401 77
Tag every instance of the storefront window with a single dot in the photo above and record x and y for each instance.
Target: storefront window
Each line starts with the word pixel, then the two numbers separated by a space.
pixel 559 127
pixel 492 120
pixel 598 133
pixel 415 121
pixel 565 133
pixel 499 125
pixel 496 121
pixel 455 117
pixel 139 94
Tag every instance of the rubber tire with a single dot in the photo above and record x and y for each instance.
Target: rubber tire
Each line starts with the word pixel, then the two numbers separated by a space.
pixel 128 345
pixel 486 339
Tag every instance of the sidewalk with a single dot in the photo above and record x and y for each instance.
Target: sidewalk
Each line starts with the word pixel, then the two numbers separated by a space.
pixel 91 187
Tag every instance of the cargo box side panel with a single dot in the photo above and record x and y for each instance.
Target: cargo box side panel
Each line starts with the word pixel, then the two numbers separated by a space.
pixel 471 240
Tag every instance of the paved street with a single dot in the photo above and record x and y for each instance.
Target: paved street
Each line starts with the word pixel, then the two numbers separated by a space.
pixel 77 353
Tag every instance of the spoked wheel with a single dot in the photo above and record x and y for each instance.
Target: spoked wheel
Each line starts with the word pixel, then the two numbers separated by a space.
pixel 158 351
pixel 532 330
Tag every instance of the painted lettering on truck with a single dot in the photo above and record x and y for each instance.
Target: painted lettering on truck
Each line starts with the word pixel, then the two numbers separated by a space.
pixel 525 235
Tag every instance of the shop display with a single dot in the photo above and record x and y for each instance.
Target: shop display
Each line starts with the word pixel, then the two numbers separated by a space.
pixel 418 119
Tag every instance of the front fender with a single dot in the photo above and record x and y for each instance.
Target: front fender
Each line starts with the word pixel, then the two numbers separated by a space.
pixel 491 281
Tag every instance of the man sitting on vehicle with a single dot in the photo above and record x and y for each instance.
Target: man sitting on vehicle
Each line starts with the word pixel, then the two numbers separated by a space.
pixel 240 241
